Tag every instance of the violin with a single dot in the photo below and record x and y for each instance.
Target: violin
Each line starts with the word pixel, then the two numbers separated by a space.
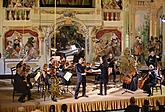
pixel 51 71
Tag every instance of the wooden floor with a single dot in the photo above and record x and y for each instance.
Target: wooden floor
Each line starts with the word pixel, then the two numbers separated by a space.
pixel 114 94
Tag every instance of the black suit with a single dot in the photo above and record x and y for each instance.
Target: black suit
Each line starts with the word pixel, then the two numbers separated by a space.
pixel 152 60
pixel 150 82
pixel 21 86
pixel 80 79
pixel 103 77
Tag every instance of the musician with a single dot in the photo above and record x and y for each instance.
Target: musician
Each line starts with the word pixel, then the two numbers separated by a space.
pixel 138 49
pixel 112 65
pixel 62 69
pixel 127 68
pixel 20 83
pixel 152 58
pixel 151 81
pixel 104 74
pixel 81 78
pixel 50 72
pixel 46 76
pixel 51 63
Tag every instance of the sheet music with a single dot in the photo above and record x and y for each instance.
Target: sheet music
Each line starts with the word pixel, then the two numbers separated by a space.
pixel 67 76
pixel 37 76
pixel 83 73
pixel 96 70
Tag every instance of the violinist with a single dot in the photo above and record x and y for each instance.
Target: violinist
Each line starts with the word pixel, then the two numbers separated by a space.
pixel 151 80
pixel 20 84
pixel 62 69
pixel 52 63
pixel 46 76
pixel 81 78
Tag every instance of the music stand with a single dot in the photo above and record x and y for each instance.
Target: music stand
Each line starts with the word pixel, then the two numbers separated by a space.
pixel 67 77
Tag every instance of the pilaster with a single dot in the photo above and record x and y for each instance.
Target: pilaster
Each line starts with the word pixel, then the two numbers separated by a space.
pixel 132 26
pixel 1 18
pixel 163 54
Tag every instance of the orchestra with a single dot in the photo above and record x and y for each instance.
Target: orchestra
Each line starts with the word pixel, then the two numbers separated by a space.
pixel 58 68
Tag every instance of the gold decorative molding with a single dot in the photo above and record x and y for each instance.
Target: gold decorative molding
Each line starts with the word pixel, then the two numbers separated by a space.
pixel 73 10
pixel 44 11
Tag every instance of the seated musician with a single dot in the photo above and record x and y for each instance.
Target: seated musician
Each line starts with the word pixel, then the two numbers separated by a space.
pixel 46 76
pixel 50 72
pixel 20 84
pixel 130 81
pixel 150 81
pixel 62 69
pixel 152 58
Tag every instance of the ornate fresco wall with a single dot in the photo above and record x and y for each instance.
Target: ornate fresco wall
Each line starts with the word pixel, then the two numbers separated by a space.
pixel 22 43
pixel 107 41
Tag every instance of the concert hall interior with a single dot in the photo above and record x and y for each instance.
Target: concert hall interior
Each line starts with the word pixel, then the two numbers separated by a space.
pixel 82 56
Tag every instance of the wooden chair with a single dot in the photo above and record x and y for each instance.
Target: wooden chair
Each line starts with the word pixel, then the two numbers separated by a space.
pixel 36 82
pixel 158 85
pixel 15 92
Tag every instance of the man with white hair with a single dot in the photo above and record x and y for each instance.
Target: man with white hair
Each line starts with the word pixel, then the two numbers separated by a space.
pixel 151 80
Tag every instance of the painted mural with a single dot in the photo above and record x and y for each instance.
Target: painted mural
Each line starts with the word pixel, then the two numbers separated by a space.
pixel 21 44
pixel 67 3
pixel 19 3
pixel 107 41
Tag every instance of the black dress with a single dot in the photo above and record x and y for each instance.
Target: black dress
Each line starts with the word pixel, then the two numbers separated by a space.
pixel 103 77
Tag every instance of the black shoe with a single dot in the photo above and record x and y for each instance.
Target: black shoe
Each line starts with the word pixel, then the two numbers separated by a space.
pixel 150 94
pixel 84 96
pixel 75 97
pixel 54 98
pixel 21 100
pixel 30 98
pixel 99 94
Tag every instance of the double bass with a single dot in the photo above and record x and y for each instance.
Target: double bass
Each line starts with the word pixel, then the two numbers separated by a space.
pixel 127 78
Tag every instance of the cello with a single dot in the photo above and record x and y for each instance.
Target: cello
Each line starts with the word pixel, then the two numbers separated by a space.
pixel 142 81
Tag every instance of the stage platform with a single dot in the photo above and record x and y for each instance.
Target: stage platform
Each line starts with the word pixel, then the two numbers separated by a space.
pixel 112 101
